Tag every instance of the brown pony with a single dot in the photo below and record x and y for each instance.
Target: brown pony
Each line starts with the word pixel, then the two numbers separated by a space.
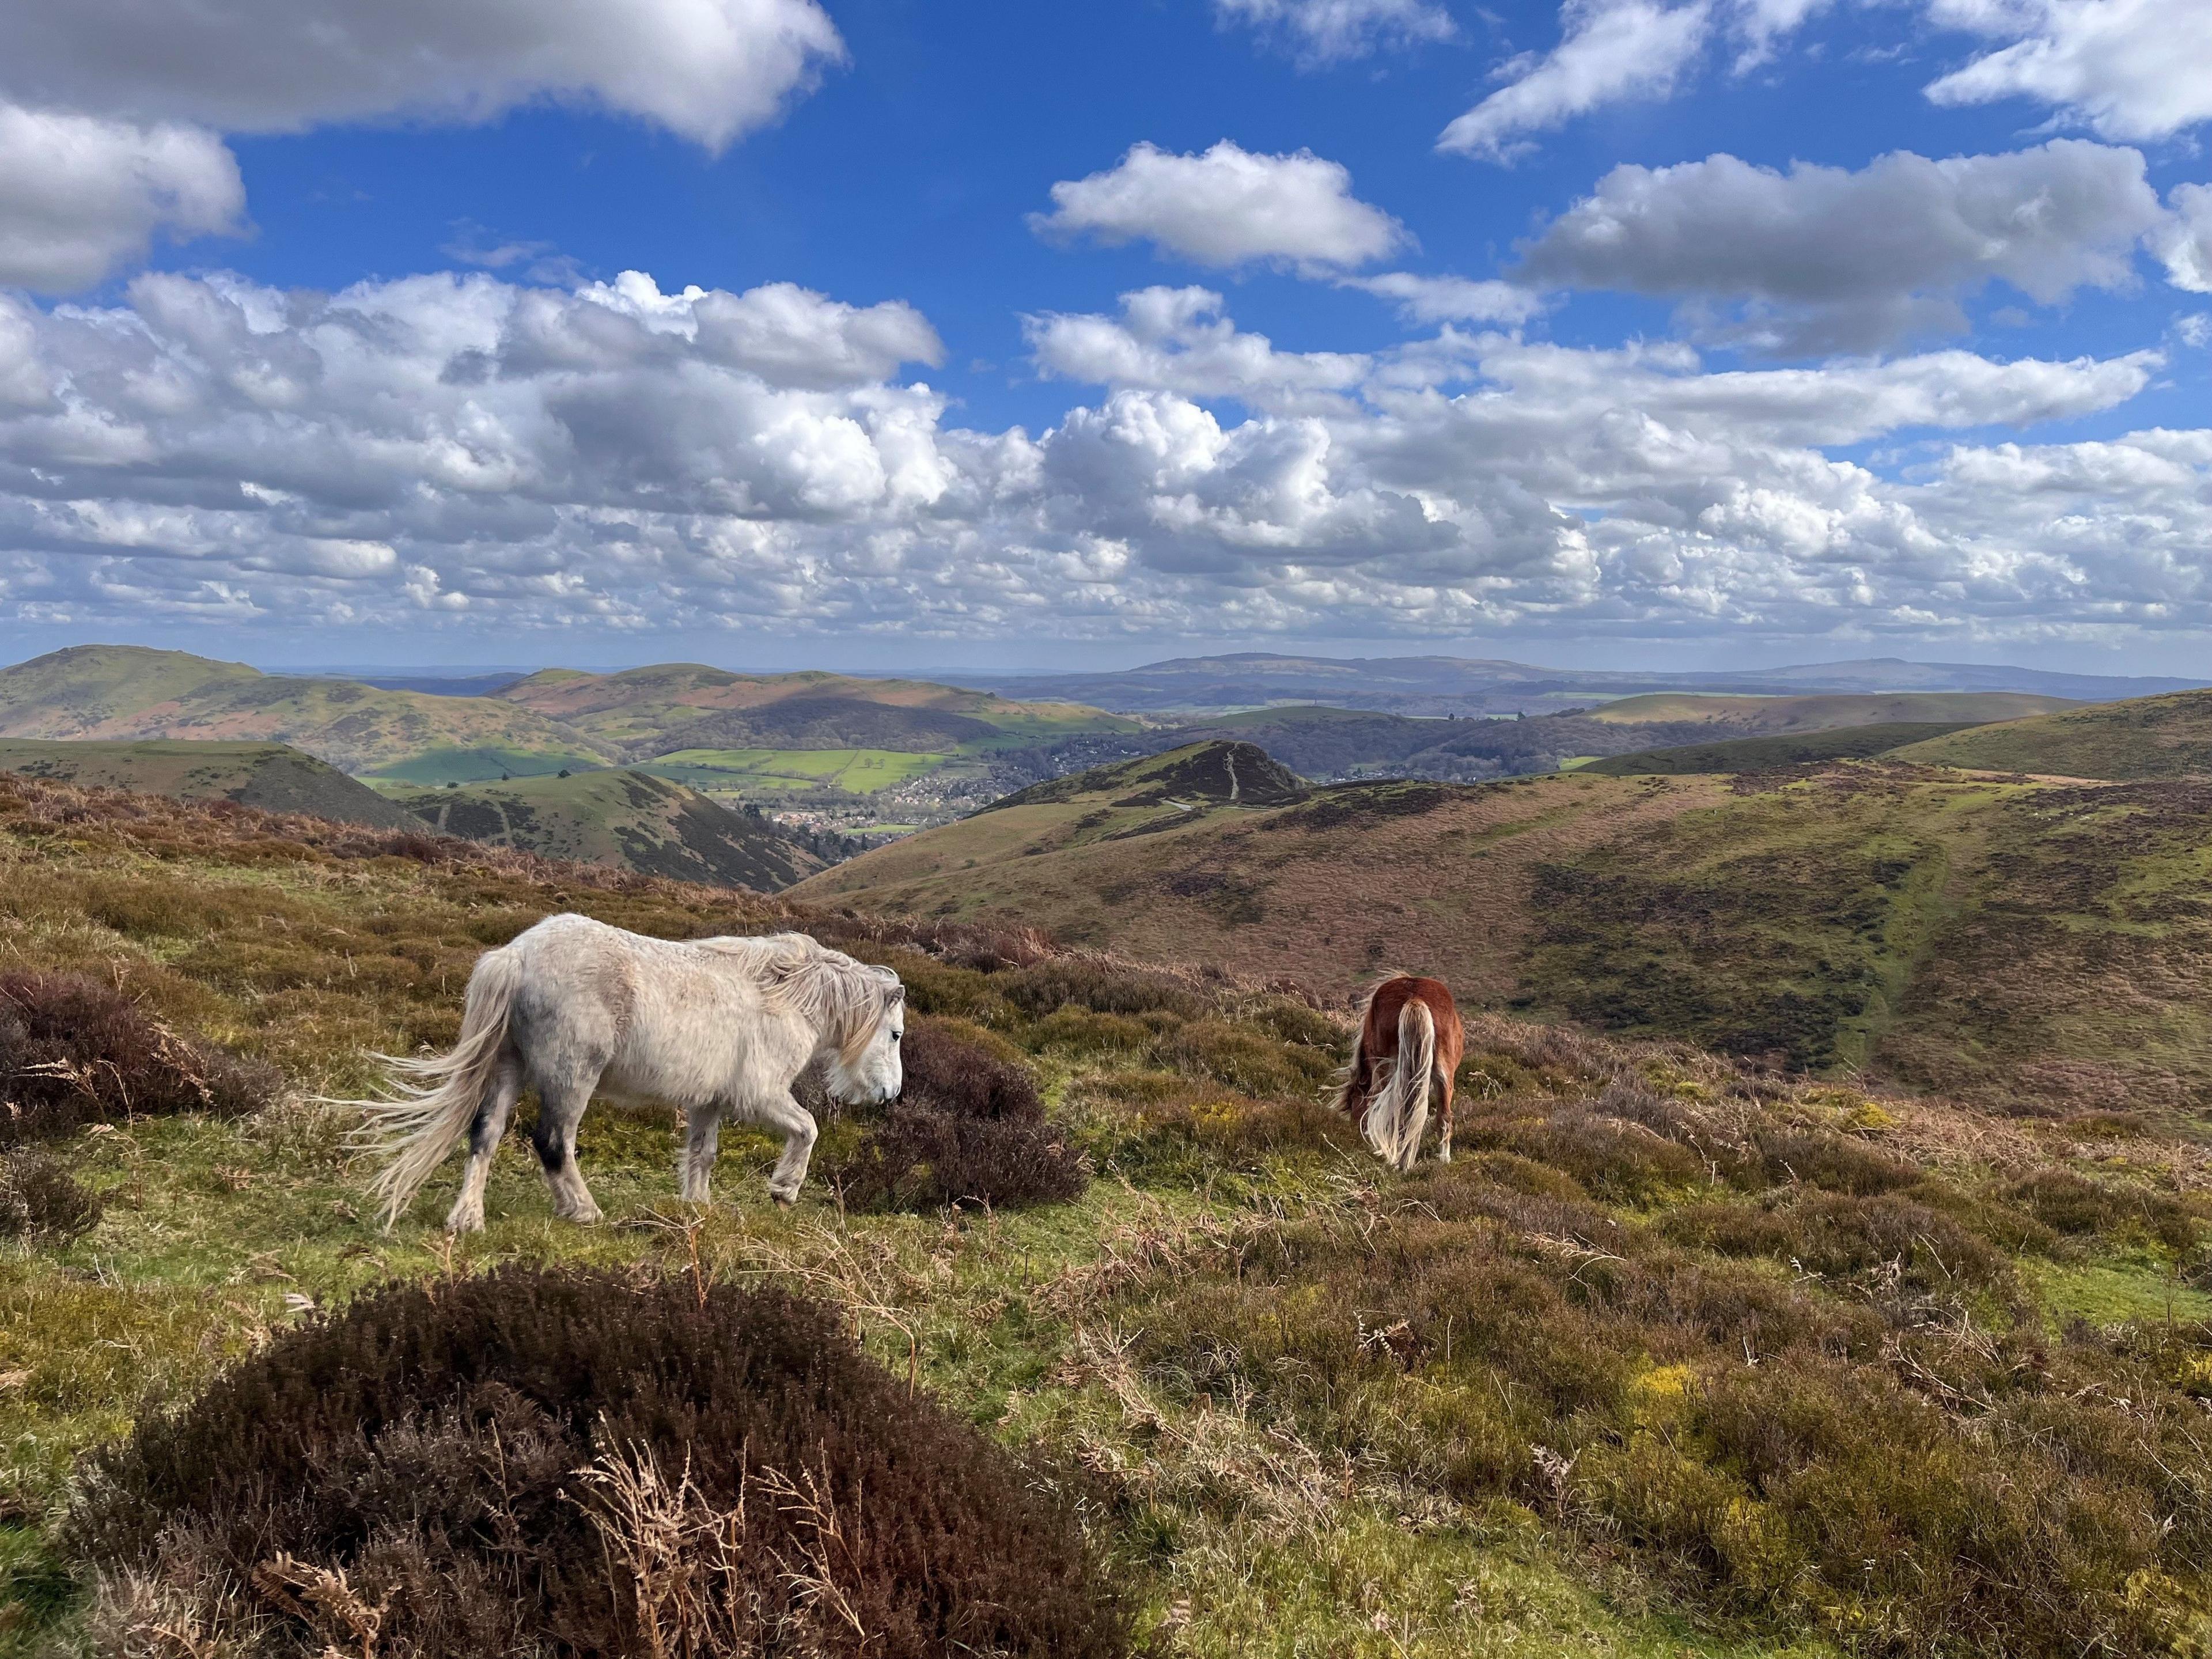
pixel 1410 1039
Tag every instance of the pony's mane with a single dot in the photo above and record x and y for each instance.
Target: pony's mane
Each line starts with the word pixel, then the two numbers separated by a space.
pixel 844 999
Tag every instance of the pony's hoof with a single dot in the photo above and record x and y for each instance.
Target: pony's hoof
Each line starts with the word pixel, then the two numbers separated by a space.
pixel 783 1201
pixel 461 1222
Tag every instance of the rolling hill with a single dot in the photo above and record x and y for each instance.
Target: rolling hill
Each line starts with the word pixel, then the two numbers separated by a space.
pixel 624 818
pixel 1342 743
pixel 648 712
pixel 1770 754
pixel 1784 716
pixel 1462 685
pixel 2037 946
pixel 269 775
pixel 2168 736
pixel 127 692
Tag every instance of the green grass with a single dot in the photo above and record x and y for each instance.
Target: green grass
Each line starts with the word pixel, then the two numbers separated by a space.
pixel 1774 754
pixel 2119 1291
pixel 438 767
pixel 2168 736
pixel 855 771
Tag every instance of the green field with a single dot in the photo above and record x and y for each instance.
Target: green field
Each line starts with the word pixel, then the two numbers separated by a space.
pixel 437 767
pixel 855 771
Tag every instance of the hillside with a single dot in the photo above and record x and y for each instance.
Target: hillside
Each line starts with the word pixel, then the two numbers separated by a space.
pixel 623 819
pixel 1770 754
pixel 1346 743
pixel 1465 685
pixel 1759 717
pixel 2039 947
pixel 269 775
pixel 126 692
pixel 1542 1402
pixel 650 712
pixel 2168 736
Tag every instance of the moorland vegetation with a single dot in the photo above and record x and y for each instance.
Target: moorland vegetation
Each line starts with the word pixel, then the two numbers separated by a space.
pixel 1681 1354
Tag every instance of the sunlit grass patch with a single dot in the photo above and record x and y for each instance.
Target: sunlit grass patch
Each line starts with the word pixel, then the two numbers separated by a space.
pixel 855 771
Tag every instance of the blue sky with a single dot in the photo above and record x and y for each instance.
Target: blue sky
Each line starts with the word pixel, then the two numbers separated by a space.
pixel 1728 331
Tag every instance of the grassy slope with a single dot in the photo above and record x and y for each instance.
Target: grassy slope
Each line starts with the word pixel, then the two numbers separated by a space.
pixel 623 819
pixel 1250 1517
pixel 1769 754
pixel 1781 716
pixel 2042 946
pixel 2147 737
pixel 855 771
pixel 1328 891
pixel 269 775
pixel 646 712
pixel 128 692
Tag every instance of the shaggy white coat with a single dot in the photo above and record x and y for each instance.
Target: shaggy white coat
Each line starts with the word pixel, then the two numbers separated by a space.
pixel 717 1028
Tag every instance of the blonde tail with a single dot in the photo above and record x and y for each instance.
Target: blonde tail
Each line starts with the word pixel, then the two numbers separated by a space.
pixel 1399 1110
pixel 432 1103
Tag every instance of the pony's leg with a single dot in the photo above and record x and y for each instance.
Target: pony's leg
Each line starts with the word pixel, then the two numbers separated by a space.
pixel 485 1135
pixel 779 1111
pixel 559 1107
pixel 1445 1122
pixel 702 1131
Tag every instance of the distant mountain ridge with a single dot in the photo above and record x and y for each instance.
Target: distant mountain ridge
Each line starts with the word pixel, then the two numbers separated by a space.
pixel 1469 685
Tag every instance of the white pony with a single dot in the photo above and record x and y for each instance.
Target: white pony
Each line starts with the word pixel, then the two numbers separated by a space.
pixel 714 1027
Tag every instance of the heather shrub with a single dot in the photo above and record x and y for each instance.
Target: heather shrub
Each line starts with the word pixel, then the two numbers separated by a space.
pixel 41 1200
pixel 961 1072
pixel 74 1051
pixel 2075 1205
pixel 545 1462
pixel 969 1128
pixel 1614 1158
pixel 1104 988
pixel 1840 1236
pixel 1815 1453
pixel 919 1158
pixel 1245 1060
pixel 1835 1162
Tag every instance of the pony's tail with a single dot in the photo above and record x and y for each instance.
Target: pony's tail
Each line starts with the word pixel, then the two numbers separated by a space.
pixel 431 1103
pixel 1400 1110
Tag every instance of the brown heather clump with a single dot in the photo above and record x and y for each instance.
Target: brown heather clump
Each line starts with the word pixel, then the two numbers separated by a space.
pixel 41 1200
pixel 538 1461
pixel 968 1129
pixel 75 1052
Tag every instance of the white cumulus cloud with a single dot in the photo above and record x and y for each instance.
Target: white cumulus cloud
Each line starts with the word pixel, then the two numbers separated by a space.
pixel 1449 298
pixel 1175 340
pixel 708 70
pixel 2126 69
pixel 1226 206
pixel 1610 50
pixel 1330 31
pixel 2184 242
pixel 459 452
pixel 1830 259
pixel 79 196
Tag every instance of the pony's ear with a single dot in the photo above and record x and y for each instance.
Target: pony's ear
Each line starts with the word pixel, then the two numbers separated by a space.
pixel 889 978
